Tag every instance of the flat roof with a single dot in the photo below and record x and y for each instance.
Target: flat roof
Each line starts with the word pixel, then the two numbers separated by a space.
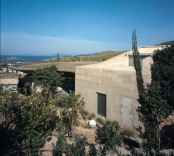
pixel 62 66
pixel 147 50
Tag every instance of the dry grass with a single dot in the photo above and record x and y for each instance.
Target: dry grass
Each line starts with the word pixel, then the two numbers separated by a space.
pixel 96 57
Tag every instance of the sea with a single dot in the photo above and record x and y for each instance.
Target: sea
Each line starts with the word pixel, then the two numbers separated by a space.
pixel 17 58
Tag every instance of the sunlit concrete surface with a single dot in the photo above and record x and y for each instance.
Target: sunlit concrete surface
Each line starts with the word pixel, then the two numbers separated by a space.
pixel 116 79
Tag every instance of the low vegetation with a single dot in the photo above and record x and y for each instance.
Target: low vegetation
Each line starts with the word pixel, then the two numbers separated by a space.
pixel 109 135
pixel 76 148
pixel 26 123
pixel 28 120
pixel 96 57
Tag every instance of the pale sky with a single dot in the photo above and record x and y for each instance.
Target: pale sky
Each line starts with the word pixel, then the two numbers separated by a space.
pixel 47 27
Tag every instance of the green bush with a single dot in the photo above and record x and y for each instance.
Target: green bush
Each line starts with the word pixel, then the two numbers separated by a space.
pixel 102 150
pixel 29 121
pixel 60 146
pixel 70 107
pixel 163 72
pixel 84 112
pixel 100 120
pixel 77 148
pixel 169 154
pixel 109 134
pixel 92 116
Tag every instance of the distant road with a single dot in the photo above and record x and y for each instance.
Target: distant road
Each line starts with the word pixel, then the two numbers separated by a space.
pixel 62 66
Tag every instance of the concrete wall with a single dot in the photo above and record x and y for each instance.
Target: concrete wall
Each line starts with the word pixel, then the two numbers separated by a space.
pixel 117 80
pixel 119 87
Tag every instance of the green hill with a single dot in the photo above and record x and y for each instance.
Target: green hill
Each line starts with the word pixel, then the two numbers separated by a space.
pixel 167 43
pixel 97 57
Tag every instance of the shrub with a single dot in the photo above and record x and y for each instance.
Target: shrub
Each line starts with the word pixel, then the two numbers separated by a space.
pixel 102 150
pixel 92 116
pixel 84 112
pixel 100 120
pixel 77 148
pixel 109 134
pixel 29 121
pixel 70 107
pixel 60 146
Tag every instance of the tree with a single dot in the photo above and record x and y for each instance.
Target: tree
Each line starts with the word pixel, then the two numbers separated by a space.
pixel 49 79
pixel 48 76
pixel 151 114
pixel 28 119
pixel 70 107
pixel 109 135
pixel 76 148
pixel 163 72
pixel 138 68
pixel 24 85
pixel 61 145
pixel 152 109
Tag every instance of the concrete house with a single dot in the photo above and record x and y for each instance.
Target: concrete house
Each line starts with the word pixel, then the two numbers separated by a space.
pixel 109 88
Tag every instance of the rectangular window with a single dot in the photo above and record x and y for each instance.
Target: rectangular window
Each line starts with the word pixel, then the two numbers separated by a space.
pixel 101 104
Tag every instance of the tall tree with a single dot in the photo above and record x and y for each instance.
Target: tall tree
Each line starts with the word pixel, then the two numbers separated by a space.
pixel 163 72
pixel 152 109
pixel 138 68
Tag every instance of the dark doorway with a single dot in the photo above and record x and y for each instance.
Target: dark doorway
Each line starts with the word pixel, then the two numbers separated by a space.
pixel 69 82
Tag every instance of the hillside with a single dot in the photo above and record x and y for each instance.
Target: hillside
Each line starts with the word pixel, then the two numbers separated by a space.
pixel 167 43
pixel 97 57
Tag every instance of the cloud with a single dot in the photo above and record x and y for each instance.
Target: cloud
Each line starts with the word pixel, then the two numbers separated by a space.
pixel 23 43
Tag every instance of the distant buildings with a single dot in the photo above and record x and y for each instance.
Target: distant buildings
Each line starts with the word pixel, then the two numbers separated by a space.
pixel 6 69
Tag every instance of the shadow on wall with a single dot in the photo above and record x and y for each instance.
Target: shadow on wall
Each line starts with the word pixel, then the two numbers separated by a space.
pixel 69 82
pixel 25 83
